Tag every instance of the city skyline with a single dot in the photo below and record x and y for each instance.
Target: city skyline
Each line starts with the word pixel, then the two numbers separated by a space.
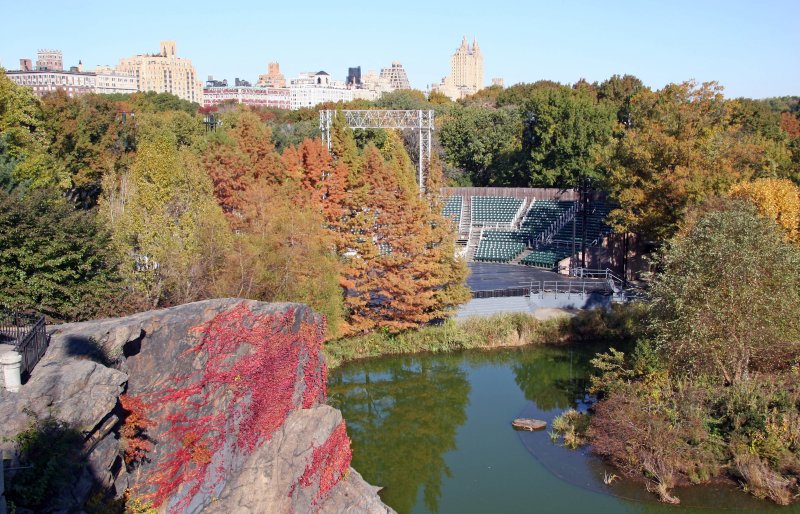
pixel 749 50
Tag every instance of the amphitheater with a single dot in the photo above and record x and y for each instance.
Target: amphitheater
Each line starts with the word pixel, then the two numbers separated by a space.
pixel 520 244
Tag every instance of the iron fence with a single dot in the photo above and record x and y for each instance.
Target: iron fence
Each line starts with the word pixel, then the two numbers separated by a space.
pixel 28 334
pixel 540 289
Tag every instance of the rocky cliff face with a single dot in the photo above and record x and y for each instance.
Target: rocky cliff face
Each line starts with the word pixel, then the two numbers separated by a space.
pixel 215 406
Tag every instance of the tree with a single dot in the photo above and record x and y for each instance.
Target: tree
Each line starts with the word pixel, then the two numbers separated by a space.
pixel 775 199
pixel 619 91
pixel 284 253
pixel 485 143
pixel 566 134
pixel 87 138
pixel 728 299
pixel 683 147
pixel 54 259
pixel 399 270
pixel 166 224
pixel 23 156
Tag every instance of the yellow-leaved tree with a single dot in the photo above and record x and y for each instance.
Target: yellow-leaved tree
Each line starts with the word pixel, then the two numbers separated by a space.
pixel 166 224
pixel 776 199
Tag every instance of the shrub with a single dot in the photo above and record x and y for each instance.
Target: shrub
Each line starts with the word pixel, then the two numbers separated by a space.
pixel 51 458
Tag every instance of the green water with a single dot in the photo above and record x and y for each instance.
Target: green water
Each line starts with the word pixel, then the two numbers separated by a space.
pixel 434 431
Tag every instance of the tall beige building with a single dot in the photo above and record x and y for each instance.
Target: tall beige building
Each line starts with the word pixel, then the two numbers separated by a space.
pixel 273 78
pixel 164 72
pixel 466 72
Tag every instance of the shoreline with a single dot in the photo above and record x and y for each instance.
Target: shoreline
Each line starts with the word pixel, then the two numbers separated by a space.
pixel 549 326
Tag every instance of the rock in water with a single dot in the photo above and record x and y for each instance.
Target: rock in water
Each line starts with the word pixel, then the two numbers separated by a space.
pixel 528 424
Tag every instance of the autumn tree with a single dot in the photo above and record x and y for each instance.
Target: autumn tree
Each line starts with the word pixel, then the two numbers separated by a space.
pixel 682 148
pixel 166 225
pixel 775 199
pixel 283 252
pixel 399 269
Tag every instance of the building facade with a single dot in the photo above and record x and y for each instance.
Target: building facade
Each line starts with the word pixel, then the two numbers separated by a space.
pixel 73 82
pixel 254 96
pixel 466 72
pixel 273 78
pixel 310 89
pixel 396 76
pixel 164 72
pixel 49 60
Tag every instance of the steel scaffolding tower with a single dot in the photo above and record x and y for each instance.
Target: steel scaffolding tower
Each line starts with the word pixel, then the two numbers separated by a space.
pixel 421 121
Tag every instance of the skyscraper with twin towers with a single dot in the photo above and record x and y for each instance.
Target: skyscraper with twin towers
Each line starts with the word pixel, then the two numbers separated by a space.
pixel 466 72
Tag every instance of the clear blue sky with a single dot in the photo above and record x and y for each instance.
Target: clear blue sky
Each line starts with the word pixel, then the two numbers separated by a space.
pixel 750 47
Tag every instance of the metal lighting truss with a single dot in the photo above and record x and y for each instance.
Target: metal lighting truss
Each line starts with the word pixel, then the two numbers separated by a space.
pixel 421 121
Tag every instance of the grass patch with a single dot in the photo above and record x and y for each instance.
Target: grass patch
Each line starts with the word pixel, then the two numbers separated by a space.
pixel 619 323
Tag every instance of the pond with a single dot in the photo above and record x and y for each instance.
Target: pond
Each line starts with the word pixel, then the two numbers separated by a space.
pixel 434 430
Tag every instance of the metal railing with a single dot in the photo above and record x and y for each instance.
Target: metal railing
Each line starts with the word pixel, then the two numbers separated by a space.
pixel 28 334
pixel 543 288
pixel 617 284
pixel 547 235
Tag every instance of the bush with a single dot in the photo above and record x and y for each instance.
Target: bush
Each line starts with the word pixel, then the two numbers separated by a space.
pixel 728 299
pixel 50 458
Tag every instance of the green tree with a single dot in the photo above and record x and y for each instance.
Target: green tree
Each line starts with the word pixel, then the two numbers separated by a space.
pixel 566 137
pixel 166 224
pixel 54 259
pixel 728 299
pixel 484 143
pixel 619 91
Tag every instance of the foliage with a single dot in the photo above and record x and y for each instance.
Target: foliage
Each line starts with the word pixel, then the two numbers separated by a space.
pixel 726 303
pixel 329 464
pixel 565 136
pixel 398 265
pixel 135 442
pixel 484 143
pixel 166 225
pixel 265 381
pixel 571 425
pixel 51 457
pixel 509 329
pixel 53 258
pixel 684 146
pixel 775 199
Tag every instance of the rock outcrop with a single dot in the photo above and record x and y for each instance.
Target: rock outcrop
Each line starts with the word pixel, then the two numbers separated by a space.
pixel 231 400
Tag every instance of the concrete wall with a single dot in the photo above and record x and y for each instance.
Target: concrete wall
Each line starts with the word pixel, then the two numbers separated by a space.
pixel 490 306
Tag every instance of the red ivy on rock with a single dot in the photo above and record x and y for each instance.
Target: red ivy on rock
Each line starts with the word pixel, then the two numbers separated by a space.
pixel 135 423
pixel 330 463
pixel 252 363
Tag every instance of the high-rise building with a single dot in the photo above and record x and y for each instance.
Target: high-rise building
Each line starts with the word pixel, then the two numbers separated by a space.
pixel 164 72
pixel 354 76
pixel 396 76
pixel 273 78
pixel 466 72
pixel 49 60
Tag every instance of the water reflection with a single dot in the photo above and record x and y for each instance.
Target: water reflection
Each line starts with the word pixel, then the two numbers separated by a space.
pixel 553 378
pixel 434 430
pixel 403 414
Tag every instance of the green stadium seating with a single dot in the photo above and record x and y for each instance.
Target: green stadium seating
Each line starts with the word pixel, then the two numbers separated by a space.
pixel 452 208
